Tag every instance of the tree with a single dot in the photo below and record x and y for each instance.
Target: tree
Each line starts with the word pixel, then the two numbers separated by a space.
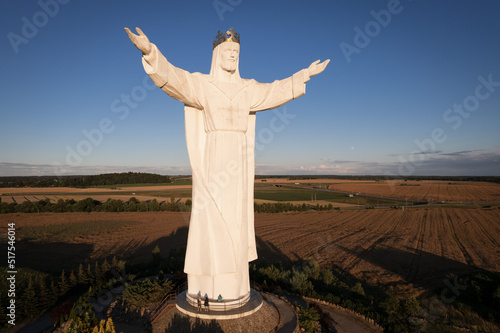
pixel 114 263
pixel 98 276
pixel 43 295
pixel 104 327
pixel 72 280
pixel 410 306
pixel 391 306
pixel 29 301
pixel 154 206
pixel 358 289
pixel 132 204
pixel 81 277
pixel 59 207
pixel 105 267
pixel 143 206
pixel 86 205
pixel 63 284
pixel 112 205
pixel 327 276
pixel 299 281
pixel 133 200
pixel 309 320
pixel 53 293
pixel 312 269
pixel 157 258
pixel 131 207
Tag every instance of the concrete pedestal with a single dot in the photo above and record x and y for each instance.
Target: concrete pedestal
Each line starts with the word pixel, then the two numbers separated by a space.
pixel 227 309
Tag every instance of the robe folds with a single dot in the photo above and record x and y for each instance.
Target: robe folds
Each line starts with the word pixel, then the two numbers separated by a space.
pixel 220 137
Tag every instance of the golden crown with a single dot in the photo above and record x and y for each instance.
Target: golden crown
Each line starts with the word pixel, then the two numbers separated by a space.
pixel 229 36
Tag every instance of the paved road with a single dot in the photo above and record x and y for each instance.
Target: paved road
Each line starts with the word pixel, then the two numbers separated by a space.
pixel 39 325
pixel 344 321
pixel 288 317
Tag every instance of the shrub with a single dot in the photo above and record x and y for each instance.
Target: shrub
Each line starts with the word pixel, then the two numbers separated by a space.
pixel 144 292
pixel 309 320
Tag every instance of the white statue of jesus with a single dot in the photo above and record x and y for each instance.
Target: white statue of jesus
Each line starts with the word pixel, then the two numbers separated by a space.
pixel 220 133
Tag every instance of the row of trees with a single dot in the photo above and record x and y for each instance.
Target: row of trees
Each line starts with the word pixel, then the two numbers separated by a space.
pixel 281 207
pixel 84 181
pixel 91 205
pixel 492 179
pixel 134 205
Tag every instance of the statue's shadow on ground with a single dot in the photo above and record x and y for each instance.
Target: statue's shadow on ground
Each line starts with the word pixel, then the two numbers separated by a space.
pixel 269 253
pixel 139 250
pixel 181 324
pixel 51 257
pixel 415 266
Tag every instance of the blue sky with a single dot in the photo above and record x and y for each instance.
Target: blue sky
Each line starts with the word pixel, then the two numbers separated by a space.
pixel 413 87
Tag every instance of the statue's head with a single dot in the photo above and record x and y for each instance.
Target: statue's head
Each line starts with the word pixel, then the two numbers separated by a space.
pixel 226 54
pixel 229 55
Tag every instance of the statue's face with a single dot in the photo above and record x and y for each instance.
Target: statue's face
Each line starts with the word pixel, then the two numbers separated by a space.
pixel 229 56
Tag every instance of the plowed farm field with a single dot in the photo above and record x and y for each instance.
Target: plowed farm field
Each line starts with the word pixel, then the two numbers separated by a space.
pixel 411 250
pixel 436 191
pixel 408 250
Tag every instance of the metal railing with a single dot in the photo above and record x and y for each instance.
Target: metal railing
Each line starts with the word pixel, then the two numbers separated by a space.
pixel 243 305
pixel 169 300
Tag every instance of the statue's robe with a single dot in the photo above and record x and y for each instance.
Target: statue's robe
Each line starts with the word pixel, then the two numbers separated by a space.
pixel 220 136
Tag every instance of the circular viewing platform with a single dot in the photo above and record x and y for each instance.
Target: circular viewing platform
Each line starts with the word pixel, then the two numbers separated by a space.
pixel 227 309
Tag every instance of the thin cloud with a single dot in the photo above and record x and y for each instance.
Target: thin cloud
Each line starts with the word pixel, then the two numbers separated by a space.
pixel 461 153
pixel 427 152
pixel 25 169
pixel 327 160
pixel 460 163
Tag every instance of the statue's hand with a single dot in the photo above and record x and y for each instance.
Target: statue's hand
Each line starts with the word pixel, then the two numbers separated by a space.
pixel 140 41
pixel 315 68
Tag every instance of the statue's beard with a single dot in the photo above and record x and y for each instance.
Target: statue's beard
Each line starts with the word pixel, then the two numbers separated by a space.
pixel 229 66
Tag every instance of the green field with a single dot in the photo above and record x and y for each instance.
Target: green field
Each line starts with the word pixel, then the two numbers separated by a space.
pixel 174 183
pixel 176 193
pixel 286 194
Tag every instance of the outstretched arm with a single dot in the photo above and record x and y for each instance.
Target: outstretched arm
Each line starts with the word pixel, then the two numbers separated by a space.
pixel 268 96
pixel 176 82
